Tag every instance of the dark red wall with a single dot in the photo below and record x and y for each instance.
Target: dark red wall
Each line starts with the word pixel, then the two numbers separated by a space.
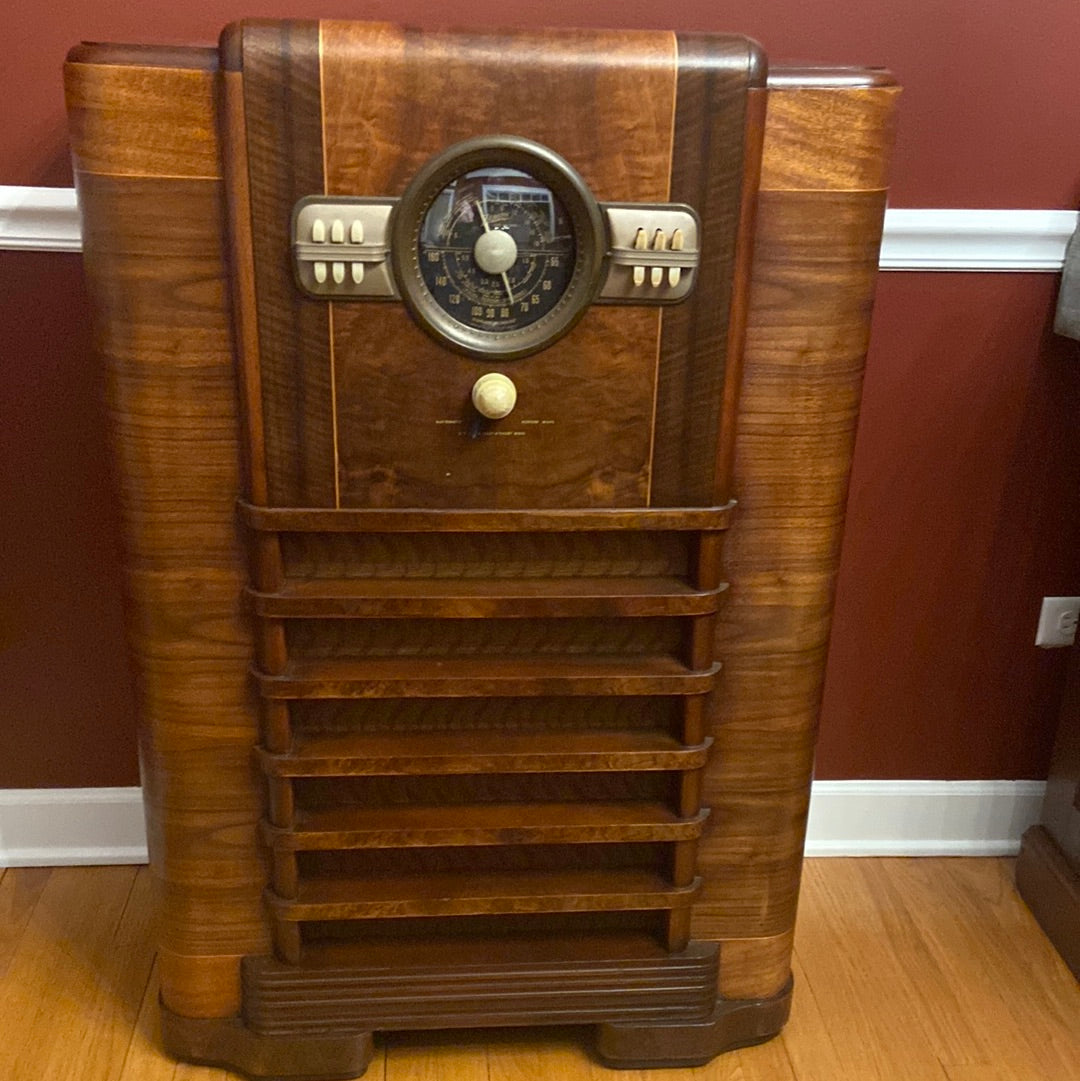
pixel 964 497
pixel 964 511
pixel 66 705
pixel 990 117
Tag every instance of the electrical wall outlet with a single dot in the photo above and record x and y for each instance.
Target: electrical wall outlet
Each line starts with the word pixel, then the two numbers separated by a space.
pixel 1057 622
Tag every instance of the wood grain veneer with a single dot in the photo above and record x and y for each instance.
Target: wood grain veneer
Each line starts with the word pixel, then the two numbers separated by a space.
pixel 133 117
pixel 188 635
pixel 621 147
pixel 622 518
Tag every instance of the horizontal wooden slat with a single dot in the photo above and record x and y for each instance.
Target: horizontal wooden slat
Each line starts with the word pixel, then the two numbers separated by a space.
pixel 504 598
pixel 458 677
pixel 409 520
pixel 474 895
pixel 509 980
pixel 426 951
pixel 412 826
pixel 438 753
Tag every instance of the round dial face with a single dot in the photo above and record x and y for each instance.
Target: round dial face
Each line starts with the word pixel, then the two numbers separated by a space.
pixel 497 247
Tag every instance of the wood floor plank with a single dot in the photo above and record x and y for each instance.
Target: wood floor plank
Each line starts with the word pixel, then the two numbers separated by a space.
pixel 908 923
pixel 807 1039
pixel 526 1056
pixel 766 1062
pixel 144 1059
pixel 1001 1071
pixel 1023 1003
pixel 865 1001
pixel 905 970
pixel 20 888
pixel 78 976
pixel 1055 992
pixel 434 1057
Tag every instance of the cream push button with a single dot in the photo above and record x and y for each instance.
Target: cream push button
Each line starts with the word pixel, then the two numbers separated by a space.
pixel 494 395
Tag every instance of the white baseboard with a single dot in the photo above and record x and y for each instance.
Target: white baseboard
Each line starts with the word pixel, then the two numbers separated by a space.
pixel 47 219
pixel 921 818
pixel 59 826
pixel 53 827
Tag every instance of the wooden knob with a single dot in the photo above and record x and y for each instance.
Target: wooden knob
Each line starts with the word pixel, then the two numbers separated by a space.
pixel 494 395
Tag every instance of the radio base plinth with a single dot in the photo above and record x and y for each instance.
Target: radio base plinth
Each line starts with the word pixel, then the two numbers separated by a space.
pixel 228 1043
pixel 735 1023
pixel 635 1043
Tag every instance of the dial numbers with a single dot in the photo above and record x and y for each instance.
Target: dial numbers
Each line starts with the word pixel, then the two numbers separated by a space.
pixel 496 249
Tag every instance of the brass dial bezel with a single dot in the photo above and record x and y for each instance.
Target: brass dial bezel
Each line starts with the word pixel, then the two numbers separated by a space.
pixel 586 219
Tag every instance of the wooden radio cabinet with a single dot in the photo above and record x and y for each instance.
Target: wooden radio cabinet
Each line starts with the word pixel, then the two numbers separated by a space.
pixel 436 364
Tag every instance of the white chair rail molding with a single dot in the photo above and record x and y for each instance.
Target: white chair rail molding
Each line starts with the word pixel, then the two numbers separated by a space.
pixel 47 219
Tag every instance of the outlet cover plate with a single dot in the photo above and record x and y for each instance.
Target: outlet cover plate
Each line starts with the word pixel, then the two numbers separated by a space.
pixel 1057 622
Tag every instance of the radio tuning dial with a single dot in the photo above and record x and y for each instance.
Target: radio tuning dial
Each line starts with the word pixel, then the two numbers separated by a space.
pixel 494 395
pixel 497 247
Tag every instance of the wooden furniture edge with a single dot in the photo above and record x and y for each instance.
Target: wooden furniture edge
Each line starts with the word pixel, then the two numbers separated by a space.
pixel 227 1042
pixel 207 58
pixel 1050 887
pixel 786 79
pixel 419 520
pixel 735 1023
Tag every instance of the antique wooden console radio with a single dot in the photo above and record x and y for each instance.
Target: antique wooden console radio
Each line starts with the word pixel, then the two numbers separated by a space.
pixel 425 355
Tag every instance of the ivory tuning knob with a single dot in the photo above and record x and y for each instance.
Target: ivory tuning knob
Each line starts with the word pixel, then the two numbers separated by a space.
pixel 494 395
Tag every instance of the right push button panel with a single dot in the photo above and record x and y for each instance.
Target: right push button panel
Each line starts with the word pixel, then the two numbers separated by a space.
pixel 654 251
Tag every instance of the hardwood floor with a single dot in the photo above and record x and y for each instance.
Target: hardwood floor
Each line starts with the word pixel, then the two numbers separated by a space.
pixel 905 970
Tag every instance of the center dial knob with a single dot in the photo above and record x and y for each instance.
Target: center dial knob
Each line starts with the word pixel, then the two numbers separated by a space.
pixel 495 252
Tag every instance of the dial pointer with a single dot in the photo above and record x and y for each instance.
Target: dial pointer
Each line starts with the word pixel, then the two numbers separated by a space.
pixel 495 251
